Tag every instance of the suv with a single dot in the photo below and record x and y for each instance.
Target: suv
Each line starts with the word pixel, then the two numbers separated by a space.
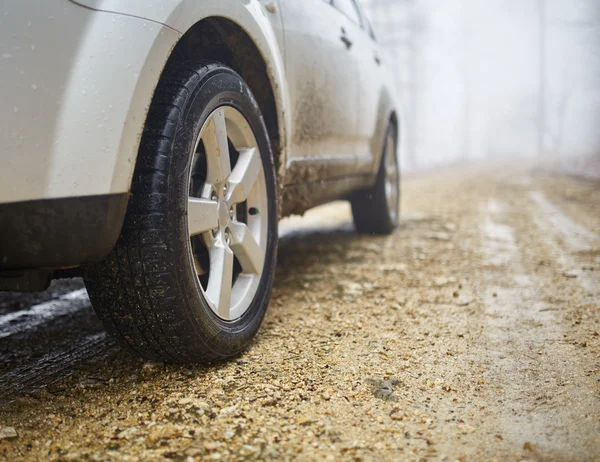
pixel 153 147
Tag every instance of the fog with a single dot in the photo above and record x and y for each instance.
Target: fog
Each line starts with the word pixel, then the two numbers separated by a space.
pixel 494 79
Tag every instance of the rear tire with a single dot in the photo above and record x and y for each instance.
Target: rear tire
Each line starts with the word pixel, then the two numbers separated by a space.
pixel 190 277
pixel 376 210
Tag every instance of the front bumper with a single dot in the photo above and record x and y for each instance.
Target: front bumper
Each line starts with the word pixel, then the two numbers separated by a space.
pixel 75 88
pixel 59 233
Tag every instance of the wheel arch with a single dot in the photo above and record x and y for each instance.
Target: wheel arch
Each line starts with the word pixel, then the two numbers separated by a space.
pixel 388 114
pixel 220 39
pixel 242 27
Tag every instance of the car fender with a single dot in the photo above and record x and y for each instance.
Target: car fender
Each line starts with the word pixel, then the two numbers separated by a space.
pixel 389 107
pixel 250 15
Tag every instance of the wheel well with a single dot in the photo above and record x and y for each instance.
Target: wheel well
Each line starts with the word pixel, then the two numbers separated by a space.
pixel 222 40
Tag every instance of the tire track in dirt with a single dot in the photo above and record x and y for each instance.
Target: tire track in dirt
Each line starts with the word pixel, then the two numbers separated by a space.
pixel 36 315
pixel 573 244
pixel 52 336
pixel 517 330
pixel 53 366
pixel 526 329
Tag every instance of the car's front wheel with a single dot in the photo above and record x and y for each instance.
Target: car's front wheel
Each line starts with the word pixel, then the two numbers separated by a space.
pixel 191 275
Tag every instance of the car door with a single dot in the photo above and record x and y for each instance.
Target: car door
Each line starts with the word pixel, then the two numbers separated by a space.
pixel 370 84
pixel 322 75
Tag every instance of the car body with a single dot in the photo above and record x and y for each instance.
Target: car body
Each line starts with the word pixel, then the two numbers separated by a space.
pixel 78 79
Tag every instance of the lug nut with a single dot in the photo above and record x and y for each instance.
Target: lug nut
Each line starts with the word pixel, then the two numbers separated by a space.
pixel 226 235
pixel 231 213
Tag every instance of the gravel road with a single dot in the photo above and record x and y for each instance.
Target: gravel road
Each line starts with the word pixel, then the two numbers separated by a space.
pixel 472 333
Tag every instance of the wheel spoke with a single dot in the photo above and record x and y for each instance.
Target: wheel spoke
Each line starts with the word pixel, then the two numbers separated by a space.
pixel 203 215
pixel 217 149
pixel 392 174
pixel 244 176
pixel 220 279
pixel 246 249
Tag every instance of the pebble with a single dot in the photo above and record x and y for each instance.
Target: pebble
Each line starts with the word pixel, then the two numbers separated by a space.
pixel 438 236
pixel 464 300
pixel 8 433
pixel 150 367
pixel 193 452
pixel 527 446
pixel 450 227
pixel 440 281
pixel 350 288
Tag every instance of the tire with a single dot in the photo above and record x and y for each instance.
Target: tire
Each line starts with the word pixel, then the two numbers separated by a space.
pixel 162 292
pixel 376 210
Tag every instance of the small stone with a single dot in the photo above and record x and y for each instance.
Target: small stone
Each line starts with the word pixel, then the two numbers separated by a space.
pixel 530 447
pixel 570 274
pixel 467 429
pixel 350 288
pixel 168 432
pixel 464 300
pixel 384 389
pixel 8 433
pixel 193 452
pixel 450 227
pixel 394 268
pixel 440 281
pixel 211 445
pixel 92 382
pixel 229 411
pixel 151 367
pixel 438 236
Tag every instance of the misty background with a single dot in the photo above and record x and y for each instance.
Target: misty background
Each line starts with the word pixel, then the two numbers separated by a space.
pixel 494 79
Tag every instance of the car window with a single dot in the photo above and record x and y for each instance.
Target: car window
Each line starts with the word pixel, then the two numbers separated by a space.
pixel 366 23
pixel 349 8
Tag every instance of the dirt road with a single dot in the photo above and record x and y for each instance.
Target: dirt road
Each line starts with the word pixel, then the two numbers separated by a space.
pixel 472 333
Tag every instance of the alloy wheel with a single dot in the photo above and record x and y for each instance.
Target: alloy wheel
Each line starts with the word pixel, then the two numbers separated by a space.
pixel 391 177
pixel 227 213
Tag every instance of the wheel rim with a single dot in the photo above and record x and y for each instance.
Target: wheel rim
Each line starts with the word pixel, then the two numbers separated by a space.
pixel 227 213
pixel 391 177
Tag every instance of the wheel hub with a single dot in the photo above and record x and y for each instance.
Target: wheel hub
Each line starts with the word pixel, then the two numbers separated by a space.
pixel 227 250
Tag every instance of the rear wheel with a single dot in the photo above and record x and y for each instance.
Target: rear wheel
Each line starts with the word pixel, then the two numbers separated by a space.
pixel 191 275
pixel 376 210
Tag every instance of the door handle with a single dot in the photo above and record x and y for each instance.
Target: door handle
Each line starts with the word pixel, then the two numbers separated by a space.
pixel 344 38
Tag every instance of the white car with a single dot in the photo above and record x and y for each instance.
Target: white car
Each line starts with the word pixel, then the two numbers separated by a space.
pixel 155 146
